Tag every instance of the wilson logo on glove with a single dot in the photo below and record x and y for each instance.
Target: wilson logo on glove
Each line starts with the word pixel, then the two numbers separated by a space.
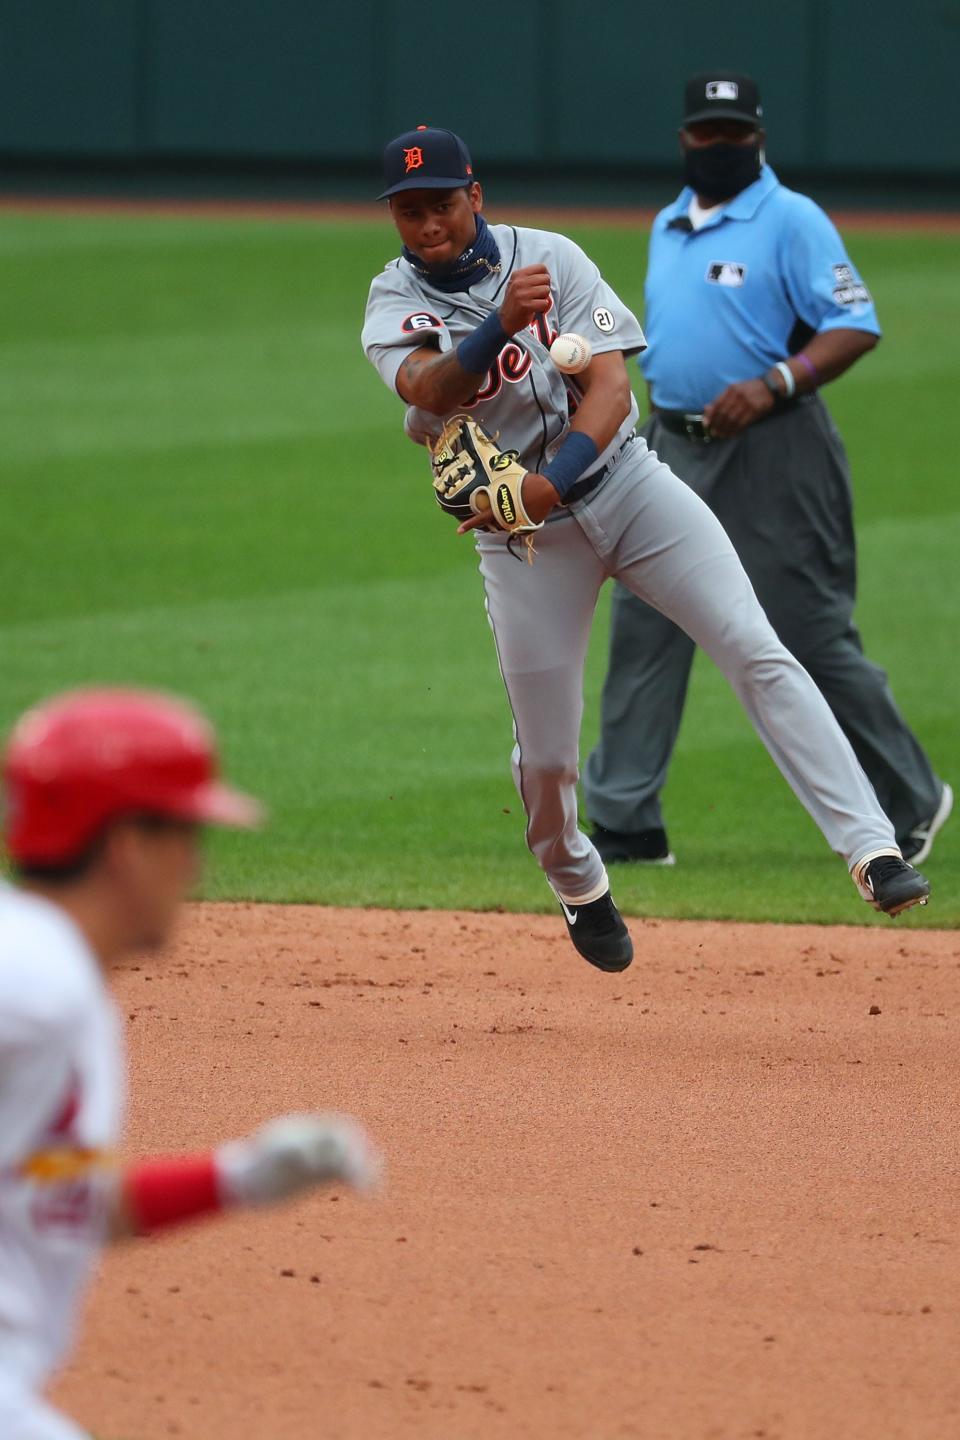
pixel 505 504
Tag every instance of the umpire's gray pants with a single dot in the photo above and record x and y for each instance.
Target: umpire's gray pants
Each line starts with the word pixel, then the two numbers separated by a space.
pixel 782 493
pixel 649 530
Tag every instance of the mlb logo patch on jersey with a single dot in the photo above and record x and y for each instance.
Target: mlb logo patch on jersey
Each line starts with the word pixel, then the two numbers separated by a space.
pixel 722 89
pixel 726 272
pixel 847 289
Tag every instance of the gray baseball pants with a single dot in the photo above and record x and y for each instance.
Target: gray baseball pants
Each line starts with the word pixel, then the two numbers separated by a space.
pixel 782 492
pixel 646 528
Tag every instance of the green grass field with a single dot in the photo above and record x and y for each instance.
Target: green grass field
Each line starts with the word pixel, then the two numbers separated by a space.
pixel 205 487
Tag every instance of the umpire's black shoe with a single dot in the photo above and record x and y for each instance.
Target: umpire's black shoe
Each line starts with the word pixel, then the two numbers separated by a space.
pixel 649 847
pixel 889 883
pixel 598 932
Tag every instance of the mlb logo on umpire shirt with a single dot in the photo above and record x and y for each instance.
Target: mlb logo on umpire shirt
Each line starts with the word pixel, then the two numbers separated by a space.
pixel 726 272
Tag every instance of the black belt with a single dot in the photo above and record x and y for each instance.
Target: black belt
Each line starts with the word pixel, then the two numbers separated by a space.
pixel 589 483
pixel 680 422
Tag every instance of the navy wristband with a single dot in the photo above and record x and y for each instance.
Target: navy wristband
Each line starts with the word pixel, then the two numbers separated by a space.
pixel 575 455
pixel 482 346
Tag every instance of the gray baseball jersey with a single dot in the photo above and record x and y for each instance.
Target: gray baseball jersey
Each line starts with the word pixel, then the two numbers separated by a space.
pixel 641 525
pixel 524 397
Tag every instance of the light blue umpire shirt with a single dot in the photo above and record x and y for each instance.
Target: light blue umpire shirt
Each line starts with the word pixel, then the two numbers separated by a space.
pixel 759 278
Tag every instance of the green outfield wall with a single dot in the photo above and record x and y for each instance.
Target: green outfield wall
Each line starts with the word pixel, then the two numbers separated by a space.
pixel 850 87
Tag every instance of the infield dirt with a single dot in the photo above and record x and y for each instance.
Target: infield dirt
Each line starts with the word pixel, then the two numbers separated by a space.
pixel 711 1198
pixel 945 222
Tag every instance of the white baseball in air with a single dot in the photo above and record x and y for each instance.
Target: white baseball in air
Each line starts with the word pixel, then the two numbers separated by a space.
pixel 571 353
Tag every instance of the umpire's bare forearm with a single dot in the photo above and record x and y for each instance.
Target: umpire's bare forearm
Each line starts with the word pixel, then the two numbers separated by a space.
pixel 830 353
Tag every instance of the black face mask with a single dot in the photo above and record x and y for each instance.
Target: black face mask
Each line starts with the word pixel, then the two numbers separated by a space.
pixel 718 172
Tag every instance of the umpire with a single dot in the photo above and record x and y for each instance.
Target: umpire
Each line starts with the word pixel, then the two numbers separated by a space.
pixel 752 304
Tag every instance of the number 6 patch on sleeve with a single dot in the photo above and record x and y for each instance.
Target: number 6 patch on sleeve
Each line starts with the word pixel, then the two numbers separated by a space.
pixel 421 320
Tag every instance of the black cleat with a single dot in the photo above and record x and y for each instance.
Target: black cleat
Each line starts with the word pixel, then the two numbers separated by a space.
pixel 916 846
pixel 599 934
pixel 649 847
pixel 889 884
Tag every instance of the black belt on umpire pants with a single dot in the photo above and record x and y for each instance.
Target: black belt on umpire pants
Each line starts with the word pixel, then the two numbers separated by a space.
pixel 589 483
pixel 680 422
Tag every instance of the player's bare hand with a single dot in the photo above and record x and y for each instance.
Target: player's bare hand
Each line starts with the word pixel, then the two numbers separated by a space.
pixel 737 407
pixel 527 294
pixel 539 497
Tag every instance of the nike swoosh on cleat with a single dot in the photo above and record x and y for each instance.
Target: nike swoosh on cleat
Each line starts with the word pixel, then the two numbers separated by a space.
pixel 571 915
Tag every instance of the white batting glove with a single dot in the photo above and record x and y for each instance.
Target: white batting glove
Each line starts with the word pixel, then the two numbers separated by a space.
pixel 296 1153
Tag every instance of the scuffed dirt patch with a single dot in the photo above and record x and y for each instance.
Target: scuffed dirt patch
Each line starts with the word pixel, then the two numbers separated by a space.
pixel 712 1197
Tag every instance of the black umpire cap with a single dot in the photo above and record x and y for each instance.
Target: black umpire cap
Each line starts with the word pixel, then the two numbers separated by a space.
pixel 722 95
pixel 426 159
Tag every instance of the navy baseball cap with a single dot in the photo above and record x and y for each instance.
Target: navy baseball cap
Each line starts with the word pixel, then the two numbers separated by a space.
pixel 722 95
pixel 426 159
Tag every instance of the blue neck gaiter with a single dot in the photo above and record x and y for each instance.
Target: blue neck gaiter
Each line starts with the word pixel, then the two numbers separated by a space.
pixel 479 259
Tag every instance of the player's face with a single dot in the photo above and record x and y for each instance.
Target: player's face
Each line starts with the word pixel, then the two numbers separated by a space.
pixel 154 867
pixel 437 225
pixel 717 132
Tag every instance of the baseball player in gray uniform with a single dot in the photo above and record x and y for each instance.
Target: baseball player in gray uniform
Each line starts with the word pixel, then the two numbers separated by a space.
pixel 462 322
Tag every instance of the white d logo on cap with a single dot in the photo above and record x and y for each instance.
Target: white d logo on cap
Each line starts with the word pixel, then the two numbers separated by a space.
pixel 722 89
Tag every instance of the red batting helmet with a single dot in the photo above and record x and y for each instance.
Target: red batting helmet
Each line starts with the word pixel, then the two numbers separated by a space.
pixel 78 761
